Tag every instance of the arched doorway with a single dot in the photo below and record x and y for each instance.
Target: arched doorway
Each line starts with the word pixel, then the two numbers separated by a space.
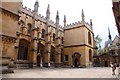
pixel 76 59
pixel 23 49
pixel 40 51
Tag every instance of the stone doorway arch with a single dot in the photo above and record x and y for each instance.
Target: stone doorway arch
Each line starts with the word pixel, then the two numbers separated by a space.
pixel 76 59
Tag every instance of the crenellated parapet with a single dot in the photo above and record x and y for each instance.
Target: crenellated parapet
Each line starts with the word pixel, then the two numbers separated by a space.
pixel 39 17
pixel 26 10
pixel 76 24
pixel 61 28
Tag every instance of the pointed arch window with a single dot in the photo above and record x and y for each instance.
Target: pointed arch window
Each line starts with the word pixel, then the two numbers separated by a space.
pixel 89 38
pixel 29 28
pixel 43 33
pixel 53 36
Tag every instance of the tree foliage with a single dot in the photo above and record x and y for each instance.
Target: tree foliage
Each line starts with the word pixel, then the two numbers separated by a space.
pixel 98 41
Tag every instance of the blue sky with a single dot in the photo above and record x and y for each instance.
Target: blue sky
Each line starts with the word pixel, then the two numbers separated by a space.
pixel 100 11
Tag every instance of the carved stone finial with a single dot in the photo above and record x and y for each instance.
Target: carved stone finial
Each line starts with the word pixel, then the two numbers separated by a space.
pixel 48 13
pixel 64 20
pixel 83 16
pixel 91 22
pixel 57 18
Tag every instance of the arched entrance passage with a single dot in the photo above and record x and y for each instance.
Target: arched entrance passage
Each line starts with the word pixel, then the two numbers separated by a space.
pixel 40 52
pixel 76 59
pixel 23 49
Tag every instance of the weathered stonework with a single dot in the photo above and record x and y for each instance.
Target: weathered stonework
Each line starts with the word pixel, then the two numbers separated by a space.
pixel 31 40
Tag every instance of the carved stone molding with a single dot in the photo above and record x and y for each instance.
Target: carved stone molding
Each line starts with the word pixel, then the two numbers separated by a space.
pixel 18 33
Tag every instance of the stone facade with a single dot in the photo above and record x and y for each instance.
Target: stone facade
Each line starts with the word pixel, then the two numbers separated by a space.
pixel 116 12
pixel 81 42
pixel 34 40
pixel 110 54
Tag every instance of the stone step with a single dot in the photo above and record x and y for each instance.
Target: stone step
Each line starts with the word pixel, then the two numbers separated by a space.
pixel 22 65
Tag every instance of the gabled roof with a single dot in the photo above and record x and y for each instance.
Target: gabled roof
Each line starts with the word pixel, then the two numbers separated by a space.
pixel 116 40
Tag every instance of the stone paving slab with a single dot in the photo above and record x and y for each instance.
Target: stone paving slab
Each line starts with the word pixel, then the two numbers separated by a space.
pixel 98 72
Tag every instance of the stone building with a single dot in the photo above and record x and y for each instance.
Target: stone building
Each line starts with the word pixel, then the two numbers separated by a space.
pixel 78 49
pixel 116 11
pixel 110 53
pixel 34 40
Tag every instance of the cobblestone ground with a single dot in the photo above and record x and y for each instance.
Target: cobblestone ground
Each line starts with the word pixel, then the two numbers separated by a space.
pixel 97 72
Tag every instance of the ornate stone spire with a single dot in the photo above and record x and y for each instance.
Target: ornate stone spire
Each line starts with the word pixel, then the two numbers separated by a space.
pixel 83 16
pixel 57 18
pixel 48 13
pixel 36 6
pixel 91 23
pixel 64 20
pixel 109 35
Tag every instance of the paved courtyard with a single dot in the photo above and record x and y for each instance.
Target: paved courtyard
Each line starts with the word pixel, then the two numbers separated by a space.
pixel 98 72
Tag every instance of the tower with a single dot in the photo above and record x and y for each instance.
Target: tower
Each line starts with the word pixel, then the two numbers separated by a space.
pixel 64 20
